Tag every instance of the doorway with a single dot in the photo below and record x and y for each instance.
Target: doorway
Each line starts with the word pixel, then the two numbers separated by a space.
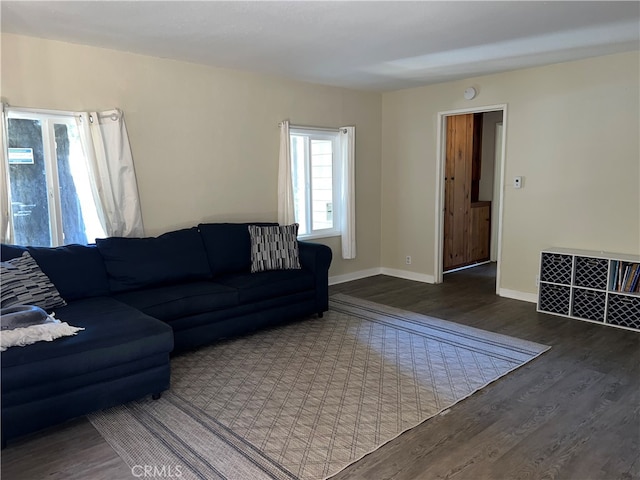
pixel 469 193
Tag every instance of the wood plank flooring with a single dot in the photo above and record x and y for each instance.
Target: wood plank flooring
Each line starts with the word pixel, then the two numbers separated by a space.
pixel 572 413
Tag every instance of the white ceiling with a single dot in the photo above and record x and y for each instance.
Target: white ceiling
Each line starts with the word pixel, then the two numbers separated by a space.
pixel 371 45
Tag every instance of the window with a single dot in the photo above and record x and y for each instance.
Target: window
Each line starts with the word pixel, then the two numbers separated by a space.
pixel 51 196
pixel 315 159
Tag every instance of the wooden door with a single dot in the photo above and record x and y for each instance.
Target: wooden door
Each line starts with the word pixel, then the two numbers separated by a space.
pixel 465 235
pixel 457 191
pixel 480 234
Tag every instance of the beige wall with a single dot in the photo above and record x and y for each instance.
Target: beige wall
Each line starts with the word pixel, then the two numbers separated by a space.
pixel 205 143
pixel 205 140
pixel 571 132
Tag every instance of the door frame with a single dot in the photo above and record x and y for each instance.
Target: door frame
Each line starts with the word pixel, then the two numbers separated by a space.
pixel 441 154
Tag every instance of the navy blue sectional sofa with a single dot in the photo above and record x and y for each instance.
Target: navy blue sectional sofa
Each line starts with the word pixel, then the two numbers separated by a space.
pixel 139 300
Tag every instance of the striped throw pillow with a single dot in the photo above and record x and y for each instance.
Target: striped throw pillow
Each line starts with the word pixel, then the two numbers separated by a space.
pixel 274 248
pixel 22 282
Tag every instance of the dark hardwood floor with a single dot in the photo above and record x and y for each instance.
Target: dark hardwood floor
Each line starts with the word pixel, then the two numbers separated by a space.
pixel 572 413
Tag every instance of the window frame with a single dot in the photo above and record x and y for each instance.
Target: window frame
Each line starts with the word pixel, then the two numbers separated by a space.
pixel 48 120
pixel 336 172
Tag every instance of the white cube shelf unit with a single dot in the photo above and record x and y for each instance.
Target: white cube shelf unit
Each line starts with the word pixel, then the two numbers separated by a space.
pixel 597 287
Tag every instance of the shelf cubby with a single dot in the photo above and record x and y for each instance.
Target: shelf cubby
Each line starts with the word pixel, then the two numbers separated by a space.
pixel 592 286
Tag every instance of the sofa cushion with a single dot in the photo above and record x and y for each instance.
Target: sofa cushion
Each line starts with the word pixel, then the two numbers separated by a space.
pixel 274 248
pixel 253 287
pixel 176 301
pixel 22 282
pixel 228 246
pixel 114 333
pixel 77 271
pixel 134 263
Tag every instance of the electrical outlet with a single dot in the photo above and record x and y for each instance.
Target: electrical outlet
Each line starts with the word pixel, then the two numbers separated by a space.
pixel 537 280
pixel 408 260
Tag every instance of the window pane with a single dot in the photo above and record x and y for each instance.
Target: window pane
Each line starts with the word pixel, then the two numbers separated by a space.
pixel 298 161
pixel 322 183
pixel 80 222
pixel 40 146
pixel 28 181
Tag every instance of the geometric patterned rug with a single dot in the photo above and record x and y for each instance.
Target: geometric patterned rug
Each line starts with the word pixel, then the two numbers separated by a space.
pixel 305 400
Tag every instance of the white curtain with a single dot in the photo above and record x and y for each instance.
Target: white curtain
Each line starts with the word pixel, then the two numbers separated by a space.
pixel 286 209
pixel 6 224
pixel 113 179
pixel 348 217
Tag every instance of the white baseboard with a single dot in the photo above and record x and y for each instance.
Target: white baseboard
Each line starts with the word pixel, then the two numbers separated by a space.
pixel 418 277
pixel 348 277
pixel 392 272
pixel 517 295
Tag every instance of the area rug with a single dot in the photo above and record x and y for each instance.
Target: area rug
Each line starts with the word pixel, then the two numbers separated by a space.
pixel 306 400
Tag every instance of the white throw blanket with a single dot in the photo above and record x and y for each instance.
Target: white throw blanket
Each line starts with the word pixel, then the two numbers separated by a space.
pixel 19 337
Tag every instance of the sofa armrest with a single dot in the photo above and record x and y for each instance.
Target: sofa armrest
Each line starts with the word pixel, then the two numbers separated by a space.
pixel 317 258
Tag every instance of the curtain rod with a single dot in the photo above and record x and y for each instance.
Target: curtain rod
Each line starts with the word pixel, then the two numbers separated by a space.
pixel 43 111
pixel 321 129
